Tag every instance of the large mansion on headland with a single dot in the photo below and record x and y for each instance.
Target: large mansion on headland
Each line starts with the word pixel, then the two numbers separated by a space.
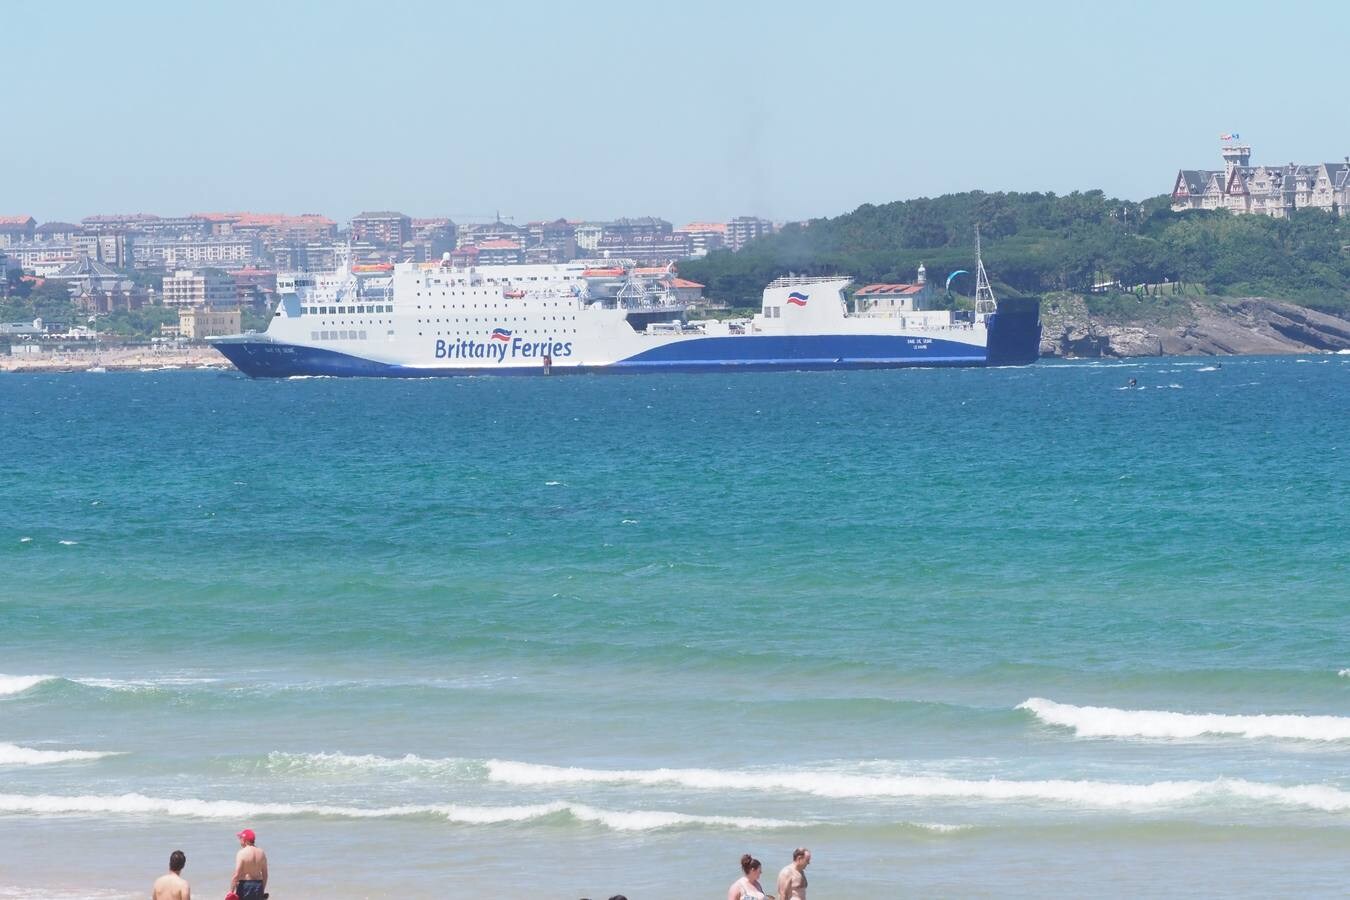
pixel 1268 190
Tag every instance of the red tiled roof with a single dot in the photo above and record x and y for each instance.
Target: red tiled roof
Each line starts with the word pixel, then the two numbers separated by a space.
pixel 685 283
pixel 719 227
pixel 269 220
pixel 21 221
pixel 499 245
pixel 130 217
pixel 601 273
pixel 872 289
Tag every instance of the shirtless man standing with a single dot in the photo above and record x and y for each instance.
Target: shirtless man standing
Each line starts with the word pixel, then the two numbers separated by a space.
pixel 173 886
pixel 792 880
pixel 249 881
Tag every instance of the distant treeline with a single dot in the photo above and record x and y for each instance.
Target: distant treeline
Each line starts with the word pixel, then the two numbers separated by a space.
pixel 1035 243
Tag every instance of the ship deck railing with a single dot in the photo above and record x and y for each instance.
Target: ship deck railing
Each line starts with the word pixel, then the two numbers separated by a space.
pixel 796 280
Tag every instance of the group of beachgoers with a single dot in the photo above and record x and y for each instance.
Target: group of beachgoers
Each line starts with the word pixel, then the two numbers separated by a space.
pixel 791 880
pixel 249 881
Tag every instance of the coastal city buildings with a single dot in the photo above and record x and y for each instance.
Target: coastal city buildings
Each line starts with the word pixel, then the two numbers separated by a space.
pixel 431 238
pixel 382 229
pixel 228 252
pixel 1277 191
pixel 309 242
pixel 201 287
pixel 744 229
pixel 197 323
pixel 97 288
pixel 705 237
pixel 256 288
pixel 16 230
pixel 215 266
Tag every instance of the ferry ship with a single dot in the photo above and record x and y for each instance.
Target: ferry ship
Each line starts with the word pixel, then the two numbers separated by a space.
pixel 431 319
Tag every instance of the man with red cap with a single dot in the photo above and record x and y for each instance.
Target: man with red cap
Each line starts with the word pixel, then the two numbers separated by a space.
pixel 249 881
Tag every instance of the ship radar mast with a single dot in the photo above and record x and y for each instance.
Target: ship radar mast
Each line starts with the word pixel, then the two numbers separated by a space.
pixel 984 294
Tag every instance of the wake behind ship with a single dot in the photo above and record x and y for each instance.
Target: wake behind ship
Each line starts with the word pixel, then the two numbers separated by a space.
pixel 429 319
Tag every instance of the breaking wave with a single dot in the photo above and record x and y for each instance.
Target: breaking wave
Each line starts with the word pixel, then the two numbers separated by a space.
pixel 278 761
pixel 17 684
pixel 14 755
pixel 1104 721
pixel 138 804
pixel 140 684
pixel 844 786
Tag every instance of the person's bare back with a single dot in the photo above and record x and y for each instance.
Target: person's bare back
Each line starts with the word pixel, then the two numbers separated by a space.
pixel 172 885
pixel 249 880
pixel 250 864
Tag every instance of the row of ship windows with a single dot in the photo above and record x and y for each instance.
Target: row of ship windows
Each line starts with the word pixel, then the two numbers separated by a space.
pixel 502 319
pixel 338 335
pixel 505 281
pixel 367 322
pixel 345 310
pixel 485 306
pixel 546 332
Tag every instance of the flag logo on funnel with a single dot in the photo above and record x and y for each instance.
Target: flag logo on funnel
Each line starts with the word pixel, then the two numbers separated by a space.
pixel 501 334
pixel 797 298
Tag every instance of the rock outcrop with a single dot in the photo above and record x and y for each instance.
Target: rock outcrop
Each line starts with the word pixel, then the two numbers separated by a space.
pixel 1231 326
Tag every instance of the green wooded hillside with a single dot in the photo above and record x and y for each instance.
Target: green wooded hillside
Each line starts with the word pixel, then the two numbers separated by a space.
pixel 1034 243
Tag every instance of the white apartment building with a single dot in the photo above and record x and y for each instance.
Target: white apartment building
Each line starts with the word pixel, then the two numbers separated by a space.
pixel 198 288
pixel 235 252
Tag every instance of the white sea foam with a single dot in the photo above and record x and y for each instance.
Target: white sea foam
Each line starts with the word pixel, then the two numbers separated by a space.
pixel 140 805
pixel 140 684
pixel 340 762
pixel 941 828
pixel 25 540
pixel 1208 369
pixel 68 543
pixel 1104 721
pixel 17 684
pixel 14 755
pixel 13 892
pixel 837 785
pixel 1344 673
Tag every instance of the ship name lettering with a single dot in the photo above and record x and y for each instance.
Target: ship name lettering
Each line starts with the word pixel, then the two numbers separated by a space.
pixel 498 350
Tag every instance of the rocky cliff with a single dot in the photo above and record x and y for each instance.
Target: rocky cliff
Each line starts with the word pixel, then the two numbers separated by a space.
pixel 1216 327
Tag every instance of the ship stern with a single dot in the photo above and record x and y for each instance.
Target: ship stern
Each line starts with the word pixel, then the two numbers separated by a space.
pixel 1015 333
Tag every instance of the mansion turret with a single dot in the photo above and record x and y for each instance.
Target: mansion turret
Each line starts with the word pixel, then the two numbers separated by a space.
pixel 1268 190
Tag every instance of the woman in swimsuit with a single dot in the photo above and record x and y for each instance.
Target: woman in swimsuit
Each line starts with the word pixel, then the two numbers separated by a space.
pixel 747 886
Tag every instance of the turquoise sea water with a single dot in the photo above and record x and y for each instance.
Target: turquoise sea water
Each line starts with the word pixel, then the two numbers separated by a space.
pixel 963 633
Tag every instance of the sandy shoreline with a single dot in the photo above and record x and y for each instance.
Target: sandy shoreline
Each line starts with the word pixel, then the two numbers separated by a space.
pixel 115 359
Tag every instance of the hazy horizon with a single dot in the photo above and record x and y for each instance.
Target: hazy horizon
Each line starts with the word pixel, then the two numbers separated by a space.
pixel 690 112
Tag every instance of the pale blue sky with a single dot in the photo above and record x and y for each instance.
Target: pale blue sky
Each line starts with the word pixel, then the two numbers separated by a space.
pixel 687 110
